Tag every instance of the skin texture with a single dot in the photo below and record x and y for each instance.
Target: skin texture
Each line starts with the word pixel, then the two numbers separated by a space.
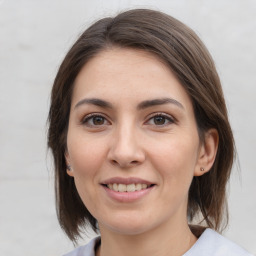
pixel 124 141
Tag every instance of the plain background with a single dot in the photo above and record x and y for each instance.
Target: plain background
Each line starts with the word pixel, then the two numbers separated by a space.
pixel 34 37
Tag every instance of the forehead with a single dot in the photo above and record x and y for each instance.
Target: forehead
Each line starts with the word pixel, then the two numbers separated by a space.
pixel 127 74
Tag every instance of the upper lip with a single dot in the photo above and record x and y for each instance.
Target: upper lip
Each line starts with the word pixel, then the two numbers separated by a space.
pixel 126 181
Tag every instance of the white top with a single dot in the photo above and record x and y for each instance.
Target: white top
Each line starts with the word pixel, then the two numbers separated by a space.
pixel 210 243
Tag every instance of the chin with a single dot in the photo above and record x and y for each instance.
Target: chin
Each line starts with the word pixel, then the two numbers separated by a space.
pixel 129 230
pixel 127 226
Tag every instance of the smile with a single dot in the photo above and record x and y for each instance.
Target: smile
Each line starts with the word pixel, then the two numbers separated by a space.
pixel 127 188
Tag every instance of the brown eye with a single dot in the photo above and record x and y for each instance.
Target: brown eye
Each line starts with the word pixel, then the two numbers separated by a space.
pixel 98 120
pixel 159 120
pixel 94 120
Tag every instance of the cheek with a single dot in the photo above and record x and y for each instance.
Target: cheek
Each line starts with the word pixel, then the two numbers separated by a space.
pixel 85 155
pixel 176 161
pixel 86 159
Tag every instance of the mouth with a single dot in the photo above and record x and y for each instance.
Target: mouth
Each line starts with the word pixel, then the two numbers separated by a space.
pixel 127 190
pixel 129 184
pixel 119 187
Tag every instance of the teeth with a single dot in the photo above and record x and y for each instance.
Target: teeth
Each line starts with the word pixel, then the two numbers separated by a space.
pixel 122 188
pixel 127 188
pixel 130 188
pixel 115 187
pixel 138 186
pixel 144 186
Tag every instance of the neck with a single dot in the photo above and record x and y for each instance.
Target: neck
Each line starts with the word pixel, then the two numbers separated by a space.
pixel 161 241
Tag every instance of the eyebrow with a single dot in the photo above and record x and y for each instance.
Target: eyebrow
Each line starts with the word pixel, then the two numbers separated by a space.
pixel 142 105
pixel 156 102
pixel 96 102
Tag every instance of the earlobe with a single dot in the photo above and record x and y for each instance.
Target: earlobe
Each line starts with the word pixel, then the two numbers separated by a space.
pixel 70 171
pixel 207 152
pixel 69 167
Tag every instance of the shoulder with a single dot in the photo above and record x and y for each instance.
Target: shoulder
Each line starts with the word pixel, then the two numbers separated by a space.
pixel 86 250
pixel 213 244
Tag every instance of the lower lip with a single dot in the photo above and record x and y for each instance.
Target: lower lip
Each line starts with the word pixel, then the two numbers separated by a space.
pixel 126 197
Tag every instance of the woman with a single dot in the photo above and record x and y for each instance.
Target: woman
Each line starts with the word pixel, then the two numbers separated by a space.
pixel 141 140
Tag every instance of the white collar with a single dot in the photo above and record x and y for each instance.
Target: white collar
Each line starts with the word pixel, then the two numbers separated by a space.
pixel 210 243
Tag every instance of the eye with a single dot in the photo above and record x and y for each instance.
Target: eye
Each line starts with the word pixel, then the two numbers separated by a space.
pixel 160 119
pixel 94 120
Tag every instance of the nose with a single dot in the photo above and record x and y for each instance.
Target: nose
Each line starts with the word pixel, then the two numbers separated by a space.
pixel 126 148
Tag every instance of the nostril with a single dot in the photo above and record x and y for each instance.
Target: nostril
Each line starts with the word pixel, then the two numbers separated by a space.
pixel 124 163
pixel 114 162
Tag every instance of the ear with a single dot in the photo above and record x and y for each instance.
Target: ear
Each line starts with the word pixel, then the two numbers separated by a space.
pixel 69 167
pixel 207 152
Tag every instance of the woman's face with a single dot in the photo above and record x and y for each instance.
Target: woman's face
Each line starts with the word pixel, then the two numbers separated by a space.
pixel 132 142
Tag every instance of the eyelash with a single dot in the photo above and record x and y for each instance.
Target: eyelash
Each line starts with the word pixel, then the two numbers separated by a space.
pixel 168 118
pixel 88 118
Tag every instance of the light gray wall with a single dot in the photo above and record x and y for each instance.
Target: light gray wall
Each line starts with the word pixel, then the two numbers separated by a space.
pixel 34 36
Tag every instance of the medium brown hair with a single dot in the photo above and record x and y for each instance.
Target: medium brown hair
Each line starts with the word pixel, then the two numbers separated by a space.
pixel 184 53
